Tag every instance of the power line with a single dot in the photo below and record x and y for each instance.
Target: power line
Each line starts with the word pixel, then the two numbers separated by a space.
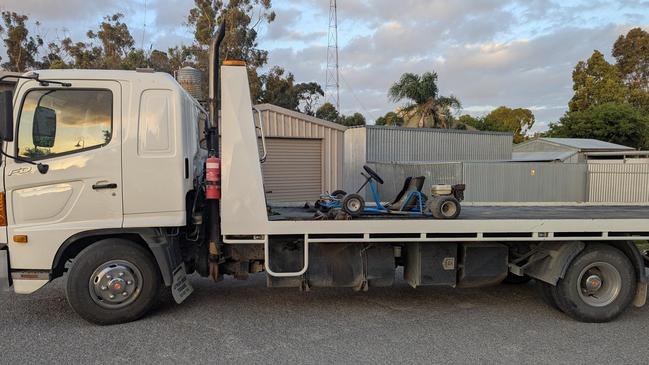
pixel 358 100
pixel 144 26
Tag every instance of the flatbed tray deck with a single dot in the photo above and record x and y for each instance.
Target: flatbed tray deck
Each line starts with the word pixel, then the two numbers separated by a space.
pixel 491 213
pixel 476 223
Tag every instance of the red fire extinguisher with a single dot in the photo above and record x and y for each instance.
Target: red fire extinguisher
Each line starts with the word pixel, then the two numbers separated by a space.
pixel 213 178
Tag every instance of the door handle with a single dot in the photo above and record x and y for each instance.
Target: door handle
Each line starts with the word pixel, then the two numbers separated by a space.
pixel 99 186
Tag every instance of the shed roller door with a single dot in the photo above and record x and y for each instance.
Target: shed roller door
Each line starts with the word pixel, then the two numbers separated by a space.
pixel 293 169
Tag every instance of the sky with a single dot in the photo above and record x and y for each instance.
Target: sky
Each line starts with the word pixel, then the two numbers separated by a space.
pixel 488 53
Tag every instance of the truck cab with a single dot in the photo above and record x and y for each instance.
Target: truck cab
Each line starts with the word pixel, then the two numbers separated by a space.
pixel 122 152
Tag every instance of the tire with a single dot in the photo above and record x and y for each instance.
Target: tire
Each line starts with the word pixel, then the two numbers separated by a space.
pixel 516 280
pixel 353 204
pixel 609 297
pixel 445 207
pixel 133 270
pixel 339 194
pixel 547 292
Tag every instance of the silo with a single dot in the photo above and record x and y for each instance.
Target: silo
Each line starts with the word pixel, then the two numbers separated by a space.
pixel 190 79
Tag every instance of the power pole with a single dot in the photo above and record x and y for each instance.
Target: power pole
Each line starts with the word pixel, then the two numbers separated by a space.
pixel 332 85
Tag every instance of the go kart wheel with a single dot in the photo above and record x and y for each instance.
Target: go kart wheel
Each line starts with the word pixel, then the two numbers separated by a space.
pixel 445 207
pixel 353 204
pixel 339 194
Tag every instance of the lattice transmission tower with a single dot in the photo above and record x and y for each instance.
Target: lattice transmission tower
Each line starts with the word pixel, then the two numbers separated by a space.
pixel 332 84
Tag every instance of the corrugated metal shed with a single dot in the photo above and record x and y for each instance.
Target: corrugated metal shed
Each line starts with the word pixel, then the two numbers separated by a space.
pixel 374 144
pixel 302 134
pixel 580 147
pixel 586 144
pixel 385 144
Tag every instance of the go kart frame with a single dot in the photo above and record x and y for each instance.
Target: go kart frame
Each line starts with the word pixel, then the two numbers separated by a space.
pixel 444 202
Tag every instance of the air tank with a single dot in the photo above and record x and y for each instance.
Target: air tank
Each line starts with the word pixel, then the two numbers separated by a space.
pixel 190 79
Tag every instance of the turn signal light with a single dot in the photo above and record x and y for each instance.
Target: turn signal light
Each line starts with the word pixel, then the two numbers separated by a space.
pixel 234 63
pixel 3 210
pixel 20 238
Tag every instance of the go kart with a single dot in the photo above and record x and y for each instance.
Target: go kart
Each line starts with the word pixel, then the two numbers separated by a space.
pixel 443 204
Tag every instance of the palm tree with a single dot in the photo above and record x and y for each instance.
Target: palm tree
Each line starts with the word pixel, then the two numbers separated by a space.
pixel 425 108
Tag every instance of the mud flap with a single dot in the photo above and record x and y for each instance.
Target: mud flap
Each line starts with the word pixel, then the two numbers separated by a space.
pixel 5 284
pixel 181 288
pixel 641 292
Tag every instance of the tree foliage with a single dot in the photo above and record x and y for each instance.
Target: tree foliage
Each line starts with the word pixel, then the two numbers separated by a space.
pixel 596 82
pixel 517 121
pixel 390 119
pixel 242 18
pixel 327 111
pixel 279 88
pixel 356 119
pixel 617 123
pixel 308 94
pixel 22 49
pixel 631 52
pixel 425 107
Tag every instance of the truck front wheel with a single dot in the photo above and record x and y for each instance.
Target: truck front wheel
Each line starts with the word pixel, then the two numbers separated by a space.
pixel 598 286
pixel 113 281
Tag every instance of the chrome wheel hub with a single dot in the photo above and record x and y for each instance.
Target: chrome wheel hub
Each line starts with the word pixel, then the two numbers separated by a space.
pixel 599 284
pixel 115 284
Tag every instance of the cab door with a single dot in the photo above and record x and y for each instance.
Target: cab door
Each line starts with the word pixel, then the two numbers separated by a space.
pixel 76 131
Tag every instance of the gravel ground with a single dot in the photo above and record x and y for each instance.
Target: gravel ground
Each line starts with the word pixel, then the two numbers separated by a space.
pixel 244 322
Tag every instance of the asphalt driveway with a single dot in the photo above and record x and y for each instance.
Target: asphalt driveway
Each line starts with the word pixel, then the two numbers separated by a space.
pixel 244 322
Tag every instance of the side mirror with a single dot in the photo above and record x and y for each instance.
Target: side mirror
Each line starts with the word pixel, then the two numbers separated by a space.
pixel 6 116
pixel 44 127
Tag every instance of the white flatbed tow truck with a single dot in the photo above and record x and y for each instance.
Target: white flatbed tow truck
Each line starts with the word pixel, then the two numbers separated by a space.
pixel 105 179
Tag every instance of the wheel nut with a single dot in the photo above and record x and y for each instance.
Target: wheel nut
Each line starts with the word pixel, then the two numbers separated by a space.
pixel 129 282
pixel 121 274
pixel 109 277
pixel 111 296
pixel 103 287
pixel 124 293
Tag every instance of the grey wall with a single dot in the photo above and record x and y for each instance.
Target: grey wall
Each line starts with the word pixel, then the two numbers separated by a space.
pixel 372 144
pixel 435 145
pixel 494 182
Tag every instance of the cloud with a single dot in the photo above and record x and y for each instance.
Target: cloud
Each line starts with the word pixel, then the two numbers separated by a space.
pixel 518 53
pixel 487 53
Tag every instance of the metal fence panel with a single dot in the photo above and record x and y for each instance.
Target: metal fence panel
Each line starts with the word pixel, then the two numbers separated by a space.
pixel 619 183
pixel 525 182
pixel 493 181
pixel 394 175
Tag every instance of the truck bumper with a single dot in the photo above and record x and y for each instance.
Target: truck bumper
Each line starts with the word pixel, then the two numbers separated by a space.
pixel 5 281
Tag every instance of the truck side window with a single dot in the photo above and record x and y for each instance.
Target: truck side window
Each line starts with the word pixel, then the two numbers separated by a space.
pixel 54 122
pixel 202 117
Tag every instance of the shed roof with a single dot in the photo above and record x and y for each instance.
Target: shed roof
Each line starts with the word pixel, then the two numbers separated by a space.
pixel 587 144
pixel 314 120
pixel 431 130
pixel 542 156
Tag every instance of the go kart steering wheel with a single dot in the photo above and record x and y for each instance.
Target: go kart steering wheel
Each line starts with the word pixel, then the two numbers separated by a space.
pixel 373 174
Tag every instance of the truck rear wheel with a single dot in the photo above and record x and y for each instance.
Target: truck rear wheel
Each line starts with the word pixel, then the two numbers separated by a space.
pixel 113 281
pixel 598 286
